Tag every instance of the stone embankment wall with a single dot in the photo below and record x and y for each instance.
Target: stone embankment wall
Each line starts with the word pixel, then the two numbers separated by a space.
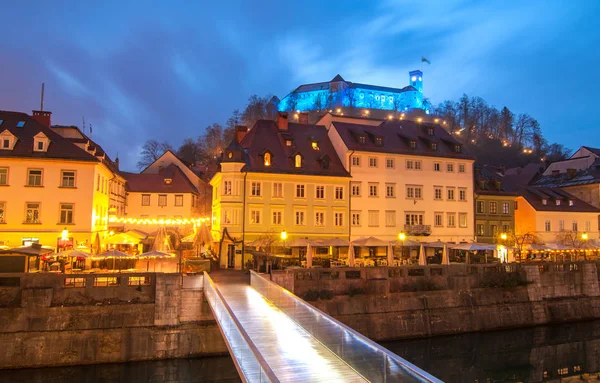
pixel 383 309
pixel 49 320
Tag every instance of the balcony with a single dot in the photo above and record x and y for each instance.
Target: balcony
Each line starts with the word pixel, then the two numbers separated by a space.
pixel 417 229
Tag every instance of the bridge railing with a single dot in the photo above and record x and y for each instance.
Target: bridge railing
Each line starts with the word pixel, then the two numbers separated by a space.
pixel 374 362
pixel 248 361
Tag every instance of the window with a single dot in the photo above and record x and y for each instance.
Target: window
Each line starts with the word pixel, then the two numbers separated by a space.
pixel 20 124
pixel 390 163
pixel 267 159
pixel 2 212
pixel 505 208
pixel 339 193
pixel 300 218
pixel 571 202
pixel 178 199
pixel 338 219
pixel 3 176
pixel 409 164
pixel 373 190
pixel 390 190
pixel 255 217
pixel 288 142
pixel 355 189
pixel 430 131
pixel 138 281
pixel 67 179
pixel 227 188
pixel 34 178
pixel 438 219
pixel 66 213
pixel 40 146
pixel 462 194
pixel 276 218
pixel 437 192
pixel 434 146
pixel 557 202
pixel 320 192
pixel 450 194
pixel 462 219
pixel 145 199
pixel 32 212
pixel 451 219
pixel 227 217
pixel 378 141
pixel 588 226
pixel 461 168
pixel 372 162
pixel 373 218
pixel 362 139
pixel 355 161
pixel 480 229
pixel 298 161
pixel 277 190
pixel 74 282
pixel 417 165
pixel 505 228
pixel 480 207
pixel 106 281
pixel 98 183
pixel 413 144
pixel 493 230
pixel 436 167
pixel 390 218
pixel 458 148
pixel 255 189
pixel 6 143
pixel 355 218
pixel 493 208
pixel 319 218
pixel 575 226
pixel 418 192
pixel 561 225
pixel 413 219
pixel 450 167
pixel 299 191
pixel 547 226
pixel 162 200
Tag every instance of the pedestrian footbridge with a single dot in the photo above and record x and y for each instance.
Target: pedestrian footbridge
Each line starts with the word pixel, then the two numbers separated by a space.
pixel 274 336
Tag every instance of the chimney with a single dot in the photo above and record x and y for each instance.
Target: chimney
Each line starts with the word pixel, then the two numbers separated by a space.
pixel 42 117
pixel 282 121
pixel 303 118
pixel 571 173
pixel 117 162
pixel 240 132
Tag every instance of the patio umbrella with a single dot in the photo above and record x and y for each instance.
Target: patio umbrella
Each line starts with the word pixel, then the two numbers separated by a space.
pixel 369 242
pixel 445 257
pixel 390 254
pixel 72 254
pixel 203 236
pixel 335 242
pixel 114 254
pixel 309 256
pixel 154 255
pixel 351 255
pixel 422 259
pixel 407 243
pixel 162 242
pixel 299 242
pixel 33 250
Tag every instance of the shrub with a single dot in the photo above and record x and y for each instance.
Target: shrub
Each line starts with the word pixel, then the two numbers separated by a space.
pixel 326 295
pixel 313 295
pixel 352 291
pixel 421 285
pixel 503 280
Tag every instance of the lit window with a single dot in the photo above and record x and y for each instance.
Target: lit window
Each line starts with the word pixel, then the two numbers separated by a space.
pixel 505 208
pixel 227 188
pixel 413 144
pixel 315 145
pixel 277 190
pixel 66 213
pixel 298 161
pixel 362 139
pixel 74 282
pixel 34 178
pixel 106 281
pixel 255 216
pixel 267 159
pixel 493 208
pixel 288 142
pixel 462 220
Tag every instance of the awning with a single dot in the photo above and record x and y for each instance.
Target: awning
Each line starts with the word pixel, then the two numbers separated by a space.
pixel 472 246
pixel 369 242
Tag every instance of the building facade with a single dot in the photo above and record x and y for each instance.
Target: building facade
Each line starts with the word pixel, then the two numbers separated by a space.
pixel 278 178
pixel 52 191
pixel 407 176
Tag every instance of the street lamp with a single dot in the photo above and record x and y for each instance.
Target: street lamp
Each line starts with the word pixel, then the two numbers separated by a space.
pixel 65 234
pixel 402 238
pixel 584 236
pixel 503 236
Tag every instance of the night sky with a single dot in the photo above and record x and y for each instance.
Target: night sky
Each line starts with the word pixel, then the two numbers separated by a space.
pixel 165 71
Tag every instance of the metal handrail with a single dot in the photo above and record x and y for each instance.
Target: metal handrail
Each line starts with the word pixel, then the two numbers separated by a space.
pixel 259 358
pixel 418 372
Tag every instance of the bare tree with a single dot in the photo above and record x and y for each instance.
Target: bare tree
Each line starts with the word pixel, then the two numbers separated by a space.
pixel 151 151
pixel 522 238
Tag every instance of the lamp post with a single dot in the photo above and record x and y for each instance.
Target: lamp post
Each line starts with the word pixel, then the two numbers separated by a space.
pixel 283 236
pixel 584 237
pixel 503 238
pixel 402 238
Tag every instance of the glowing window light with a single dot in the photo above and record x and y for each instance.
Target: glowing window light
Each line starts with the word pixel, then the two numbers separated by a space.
pixel 414 78
pixel 267 159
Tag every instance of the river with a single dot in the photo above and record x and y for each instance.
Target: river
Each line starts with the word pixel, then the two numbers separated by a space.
pixel 540 354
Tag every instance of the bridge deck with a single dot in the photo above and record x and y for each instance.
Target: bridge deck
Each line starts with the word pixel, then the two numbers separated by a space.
pixel 292 353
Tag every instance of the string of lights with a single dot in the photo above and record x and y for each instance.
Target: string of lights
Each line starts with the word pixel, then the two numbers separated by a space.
pixel 159 221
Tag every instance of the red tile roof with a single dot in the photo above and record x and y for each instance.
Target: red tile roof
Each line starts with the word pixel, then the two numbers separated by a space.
pixel 155 183
pixel 535 196
pixel 59 147
pixel 396 137
pixel 266 137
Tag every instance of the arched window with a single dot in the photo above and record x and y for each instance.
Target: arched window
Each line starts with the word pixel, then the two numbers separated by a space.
pixel 298 161
pixel 267 159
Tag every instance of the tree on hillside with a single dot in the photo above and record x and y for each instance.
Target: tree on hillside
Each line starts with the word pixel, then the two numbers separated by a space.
pixel 190 152
pixel 234 120
pixel 506 123
pixel 259 108
pixel 556 152
pixel 214 140
pixel 151 151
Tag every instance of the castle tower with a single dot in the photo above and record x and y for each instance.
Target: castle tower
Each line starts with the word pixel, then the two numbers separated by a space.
pixel 415 78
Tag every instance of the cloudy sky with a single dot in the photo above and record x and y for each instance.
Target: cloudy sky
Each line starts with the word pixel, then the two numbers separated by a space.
pixel 165 70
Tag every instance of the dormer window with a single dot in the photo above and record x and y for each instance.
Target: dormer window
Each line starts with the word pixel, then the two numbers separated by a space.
pixel 168 181
pixel 413 144
pixel 544 201
pixel 298 161
pixel 267 159
pixel 362 139
pixel 7 140
pixel 40 143
pixel 288 142
pixel 434 146
pixel 430 131
pixel 557 202
pixel 457 148
pixel 379 141
pixel 20 124
pixel 571 202
pixel 314 145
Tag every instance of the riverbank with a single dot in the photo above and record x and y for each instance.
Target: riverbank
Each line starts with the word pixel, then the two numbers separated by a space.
pixel 379 303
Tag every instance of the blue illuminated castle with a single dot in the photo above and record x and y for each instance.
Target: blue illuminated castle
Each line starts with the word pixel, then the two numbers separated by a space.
pixel 344 96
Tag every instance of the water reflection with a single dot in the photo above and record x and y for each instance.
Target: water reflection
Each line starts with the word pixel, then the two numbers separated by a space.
pixel 538 354
pixel 213 369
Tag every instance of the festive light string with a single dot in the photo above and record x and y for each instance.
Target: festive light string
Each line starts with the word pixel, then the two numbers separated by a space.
pixel 159 221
